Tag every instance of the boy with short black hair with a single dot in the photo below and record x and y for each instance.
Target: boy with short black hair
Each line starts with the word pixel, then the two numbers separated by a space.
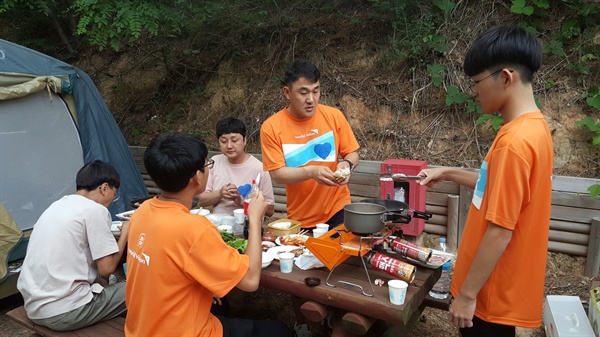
pixel 71 253
pixel 498 280
pixel 177 260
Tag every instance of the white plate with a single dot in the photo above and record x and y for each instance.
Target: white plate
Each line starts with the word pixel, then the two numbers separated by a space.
pixel 200 211
pixel 125 215
pixel 114 227
pixel 444 257
pixel 281 249
pixel 277 241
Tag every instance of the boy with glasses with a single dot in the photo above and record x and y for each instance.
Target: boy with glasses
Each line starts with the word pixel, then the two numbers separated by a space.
pixel 71 253
pixel 498 280
pixel 178 261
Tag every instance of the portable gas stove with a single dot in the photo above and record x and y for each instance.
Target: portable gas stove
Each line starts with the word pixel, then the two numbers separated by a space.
pixel 339 244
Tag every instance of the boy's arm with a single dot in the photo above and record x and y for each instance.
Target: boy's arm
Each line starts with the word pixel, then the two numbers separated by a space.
pixel 492 246
pixel 256 211
pixel 107 264
pixel 458 176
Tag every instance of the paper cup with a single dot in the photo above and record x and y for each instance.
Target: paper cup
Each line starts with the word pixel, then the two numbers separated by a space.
pixel 226 228
pixel 239 215
pixel 318 232
pixel 286 262
pixel 323 226
pixel 397 291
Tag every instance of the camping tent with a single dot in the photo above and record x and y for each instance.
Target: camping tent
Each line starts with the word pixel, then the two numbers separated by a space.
pixel 53 121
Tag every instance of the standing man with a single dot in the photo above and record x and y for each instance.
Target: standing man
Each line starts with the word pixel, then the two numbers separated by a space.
pixel 71 253
pixel 498 280
pixel 301 146
pixel 230 181
pixel 178 261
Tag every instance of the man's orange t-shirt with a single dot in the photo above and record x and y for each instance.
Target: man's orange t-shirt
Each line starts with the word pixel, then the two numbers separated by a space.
pixel 319 140
pixel 514 191
pixel 176 261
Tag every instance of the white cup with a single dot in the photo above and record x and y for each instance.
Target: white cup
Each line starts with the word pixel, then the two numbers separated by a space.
pixel 239 215
pixel 397 291
pixel 318 232
pixel 286 262
pixel 225 228
pixel 323 226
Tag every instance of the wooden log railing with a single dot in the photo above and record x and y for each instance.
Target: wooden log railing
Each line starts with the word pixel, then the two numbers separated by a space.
pixel 574 220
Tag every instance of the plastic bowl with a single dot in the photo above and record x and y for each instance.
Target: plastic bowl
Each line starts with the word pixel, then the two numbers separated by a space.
pixel 267 258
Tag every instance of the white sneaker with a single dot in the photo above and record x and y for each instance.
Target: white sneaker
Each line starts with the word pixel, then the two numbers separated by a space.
pixel 302 330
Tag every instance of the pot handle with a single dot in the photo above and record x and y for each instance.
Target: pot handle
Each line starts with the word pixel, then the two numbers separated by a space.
pixel 395 218
pixel 421 215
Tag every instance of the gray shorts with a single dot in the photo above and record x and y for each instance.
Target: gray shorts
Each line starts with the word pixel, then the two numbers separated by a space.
pixel 108 304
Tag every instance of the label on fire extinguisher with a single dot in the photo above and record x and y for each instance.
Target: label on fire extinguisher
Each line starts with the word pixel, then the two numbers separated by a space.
pixel 395 267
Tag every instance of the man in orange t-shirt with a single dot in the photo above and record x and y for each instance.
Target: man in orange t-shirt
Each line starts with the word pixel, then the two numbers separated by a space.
pixel 177 261
pixel 301 145
pixel 498 280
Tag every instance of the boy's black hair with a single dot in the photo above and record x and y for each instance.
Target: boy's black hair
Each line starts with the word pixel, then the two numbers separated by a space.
pixel 96 173
pixel 504 47
pixel 230 125
pixel 172 160
pixel 301 68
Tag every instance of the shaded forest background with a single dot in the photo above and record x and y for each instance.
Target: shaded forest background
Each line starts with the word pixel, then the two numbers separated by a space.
pixel 393 67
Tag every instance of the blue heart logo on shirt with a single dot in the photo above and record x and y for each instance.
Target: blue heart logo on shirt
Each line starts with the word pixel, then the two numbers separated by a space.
pixel 244 189
pixel 322 150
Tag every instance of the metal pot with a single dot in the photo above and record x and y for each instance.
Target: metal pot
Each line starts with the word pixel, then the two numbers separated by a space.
pixel 368 218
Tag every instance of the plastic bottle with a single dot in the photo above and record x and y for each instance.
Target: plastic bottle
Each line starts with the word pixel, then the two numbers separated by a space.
pixel 399 194
pixel 441 289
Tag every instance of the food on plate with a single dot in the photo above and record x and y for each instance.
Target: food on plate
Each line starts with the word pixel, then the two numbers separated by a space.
pixel 282 225
pixel 297 252
pixel 292 240
pixel 234 241
pixel 342 173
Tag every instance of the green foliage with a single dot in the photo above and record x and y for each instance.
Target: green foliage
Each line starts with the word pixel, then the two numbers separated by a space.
pixel 496 120
pixel 592 97
pixel 113 22
pixel 593 127
pixel 455 96
pixel 435 70
pixel 594 190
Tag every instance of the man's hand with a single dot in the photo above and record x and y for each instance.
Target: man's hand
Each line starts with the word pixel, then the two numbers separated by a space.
pixel 461 311
pixel 257 206
pixel 323 175
pixel 431 176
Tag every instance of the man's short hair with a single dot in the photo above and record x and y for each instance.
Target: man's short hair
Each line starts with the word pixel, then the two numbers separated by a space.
pixel 172 160
pixel 96 173
pixel 301 68
pixel 504 47
pixel 230 125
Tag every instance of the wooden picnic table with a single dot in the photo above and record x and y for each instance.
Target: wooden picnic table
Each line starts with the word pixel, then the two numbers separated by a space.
pixel 349 298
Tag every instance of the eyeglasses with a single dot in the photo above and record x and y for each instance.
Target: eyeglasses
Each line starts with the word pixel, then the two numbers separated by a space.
pixel 117 195
pixel 210 164
pixel 472 88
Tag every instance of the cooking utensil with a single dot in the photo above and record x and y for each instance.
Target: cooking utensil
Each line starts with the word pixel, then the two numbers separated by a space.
pixel 369 218
pixel 396 206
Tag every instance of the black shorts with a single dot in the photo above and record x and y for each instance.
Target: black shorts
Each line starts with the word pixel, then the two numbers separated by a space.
pixel 482 328
pixel 238 327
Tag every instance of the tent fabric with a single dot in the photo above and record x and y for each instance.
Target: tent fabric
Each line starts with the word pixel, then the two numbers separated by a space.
pixel 10 235
pixel 34 85
pixel 99 134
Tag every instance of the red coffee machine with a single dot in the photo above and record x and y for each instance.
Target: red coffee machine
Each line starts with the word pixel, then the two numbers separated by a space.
pixel 407 191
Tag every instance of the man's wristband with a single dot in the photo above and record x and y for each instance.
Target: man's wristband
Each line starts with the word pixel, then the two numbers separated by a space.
pixel 349 163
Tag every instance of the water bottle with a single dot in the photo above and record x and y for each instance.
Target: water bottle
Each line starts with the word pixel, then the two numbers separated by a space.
pixel 441 289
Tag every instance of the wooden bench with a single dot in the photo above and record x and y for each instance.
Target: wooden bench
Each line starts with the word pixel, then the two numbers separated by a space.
pixel 110 328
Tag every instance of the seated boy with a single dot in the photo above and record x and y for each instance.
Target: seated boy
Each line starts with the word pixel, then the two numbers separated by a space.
pixel 177 261
pixel 71 253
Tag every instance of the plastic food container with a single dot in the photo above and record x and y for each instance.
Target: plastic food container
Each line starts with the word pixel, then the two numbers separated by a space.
pixel 280 228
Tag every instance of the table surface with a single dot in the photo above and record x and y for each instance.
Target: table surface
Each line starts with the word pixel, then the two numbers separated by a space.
pixel 348 297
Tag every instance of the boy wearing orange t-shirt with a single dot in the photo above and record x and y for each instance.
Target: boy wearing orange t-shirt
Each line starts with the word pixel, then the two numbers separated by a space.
pixel 177 261
pixel 498 280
